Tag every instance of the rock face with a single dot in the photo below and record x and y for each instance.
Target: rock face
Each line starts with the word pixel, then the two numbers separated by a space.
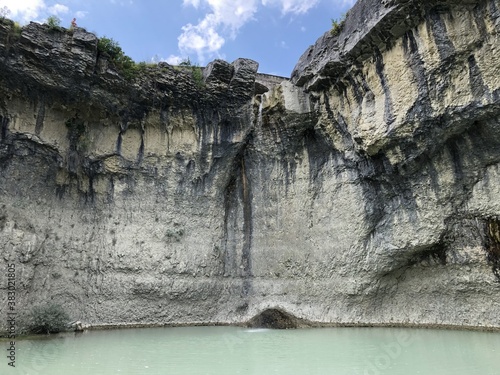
pixel 363 191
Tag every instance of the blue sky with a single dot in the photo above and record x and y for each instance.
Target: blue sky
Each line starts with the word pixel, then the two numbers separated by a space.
pixel 273 32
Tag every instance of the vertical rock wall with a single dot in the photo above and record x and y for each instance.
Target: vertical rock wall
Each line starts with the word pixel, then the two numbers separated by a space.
pixel 363 191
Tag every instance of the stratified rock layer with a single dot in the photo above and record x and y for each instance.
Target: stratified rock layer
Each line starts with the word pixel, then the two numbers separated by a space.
pixel 363 191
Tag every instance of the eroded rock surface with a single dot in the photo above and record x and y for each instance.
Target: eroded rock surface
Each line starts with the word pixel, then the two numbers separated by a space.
pixel 363 191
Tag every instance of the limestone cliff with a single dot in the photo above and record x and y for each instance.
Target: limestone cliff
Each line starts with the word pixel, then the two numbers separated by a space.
pixel 361 191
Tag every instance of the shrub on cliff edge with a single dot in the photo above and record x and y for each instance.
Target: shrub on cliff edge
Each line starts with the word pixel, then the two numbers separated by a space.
pixel 338 25
pixel 122 62
pixel 196 71
pixel 110 47
pixel 54 22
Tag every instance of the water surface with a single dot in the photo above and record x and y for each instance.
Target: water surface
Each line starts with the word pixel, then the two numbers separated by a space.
pixel 232 350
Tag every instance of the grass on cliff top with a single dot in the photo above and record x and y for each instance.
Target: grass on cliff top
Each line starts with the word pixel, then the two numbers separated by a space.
pixel 130 69
pixel 122 62
pixel 338 25
pixel 16 28
pixel 105 45
pixel 110 48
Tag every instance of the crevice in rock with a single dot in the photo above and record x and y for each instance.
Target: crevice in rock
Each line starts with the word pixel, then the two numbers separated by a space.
pixel 437 28
pixel 340 126
pixel 422 106
pixel 40 118
pixel 238 206
pixel 356 88
pixel 480 14
pixel 90 194
pixel 456 159
pixel 3 218
pixel 76 129
pixel 119 143
pixel 140 155
pixel 435 254
pixel 246 260
pixel 493 245
pixel 478 88
pixel 61 191
pixel 110 193
pixel 4 124
pixel 494 14
pixel 389 108
pixel 228 259
pixel 318 152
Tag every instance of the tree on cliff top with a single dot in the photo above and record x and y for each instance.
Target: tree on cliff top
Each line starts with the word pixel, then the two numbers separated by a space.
pixel 54 22
pixel 112 49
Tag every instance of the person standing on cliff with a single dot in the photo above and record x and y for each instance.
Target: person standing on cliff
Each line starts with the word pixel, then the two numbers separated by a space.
pixel 73 23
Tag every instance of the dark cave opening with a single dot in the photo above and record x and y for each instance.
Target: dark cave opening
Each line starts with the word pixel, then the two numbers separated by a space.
pixel 493 245
pixel 274 318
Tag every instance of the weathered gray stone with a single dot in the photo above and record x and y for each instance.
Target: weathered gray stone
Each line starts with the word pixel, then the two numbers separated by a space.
pixel 362 192
pixel 218 70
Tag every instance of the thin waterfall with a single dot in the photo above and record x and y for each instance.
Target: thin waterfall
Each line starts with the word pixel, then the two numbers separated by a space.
pixel 258 124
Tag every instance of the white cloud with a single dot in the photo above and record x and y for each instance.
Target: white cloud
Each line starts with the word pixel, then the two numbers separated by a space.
pixel 225 17
pixel 194 3
pixel 25 10
pixel 201 39
pixel 233 13
pixel 292 6
pixel 81 14
pixel 58 9
pixel 122 3
pixel 173 60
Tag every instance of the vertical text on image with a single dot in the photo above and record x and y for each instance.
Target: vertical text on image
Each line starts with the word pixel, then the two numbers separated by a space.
pixel 11 314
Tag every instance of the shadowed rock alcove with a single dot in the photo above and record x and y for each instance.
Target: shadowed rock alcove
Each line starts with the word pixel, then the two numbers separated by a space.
pixel 493 246
pixel 274 318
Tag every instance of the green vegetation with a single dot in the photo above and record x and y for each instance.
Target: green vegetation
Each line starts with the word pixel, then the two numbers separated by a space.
pixel 122 62
pixel 110 47
pixel 197 74
pixel 77 133
pixel 50 318
pixel 338 25
pixel 17 28
pixel 54 22
pixel 143 66
pixel 196 71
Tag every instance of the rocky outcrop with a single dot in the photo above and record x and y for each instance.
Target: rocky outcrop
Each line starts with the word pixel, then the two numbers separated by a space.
pixel 360 192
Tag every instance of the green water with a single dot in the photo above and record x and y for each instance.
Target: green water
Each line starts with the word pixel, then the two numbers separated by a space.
pixel 230 351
